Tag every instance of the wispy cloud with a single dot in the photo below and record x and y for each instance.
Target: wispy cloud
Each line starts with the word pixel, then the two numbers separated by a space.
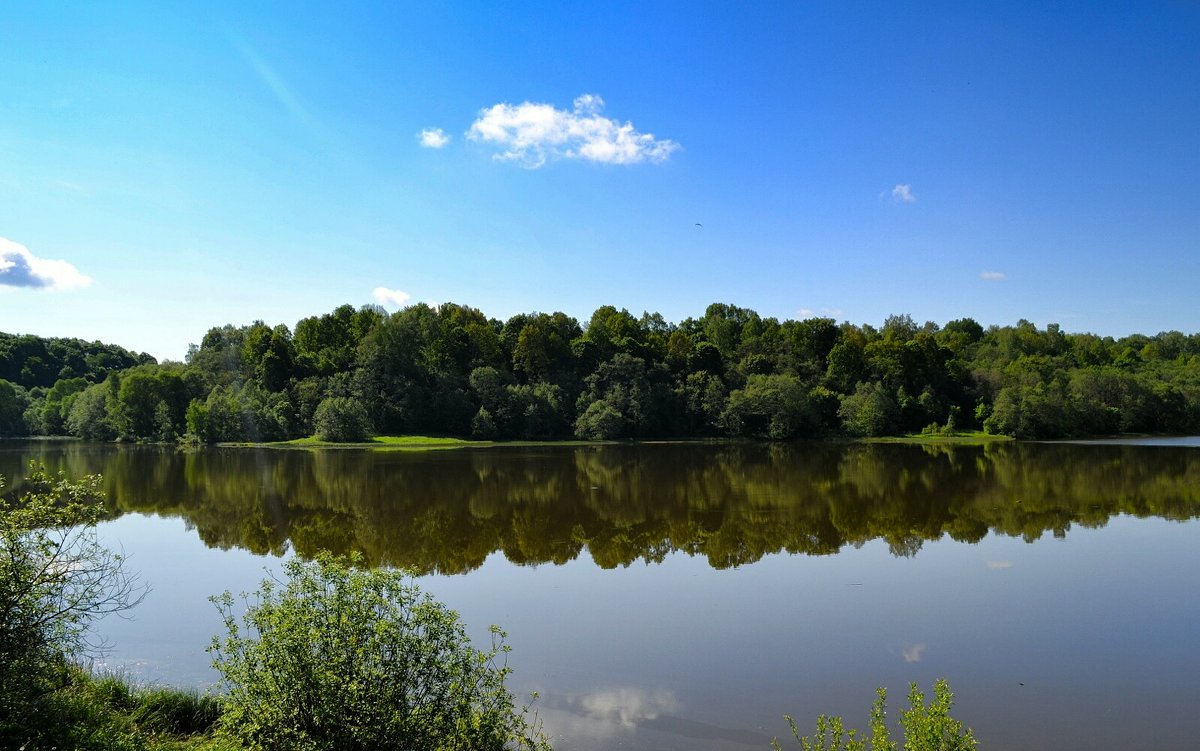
pixel 433 138
pixel 390 297
pixel 913 653
pixel 20 268
pixel 530 133
pixel 991 276
pixel 902 193
pixel 998 565
pixel 279 88
pixel 806 313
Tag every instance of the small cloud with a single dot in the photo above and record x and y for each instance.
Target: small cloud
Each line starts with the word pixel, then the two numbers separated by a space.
pixel 390 297
pixel 530 133
pixel 991 276
pixel 913 653
pixel 997 565
pixel 903 194
pixel 806 313
pixel 20 268
pixel 433 138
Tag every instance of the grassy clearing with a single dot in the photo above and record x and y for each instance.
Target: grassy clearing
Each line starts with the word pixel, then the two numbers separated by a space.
pixel 415 442
pixel 958 436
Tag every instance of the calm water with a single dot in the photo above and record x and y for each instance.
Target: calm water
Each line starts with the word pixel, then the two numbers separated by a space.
pixel 688 596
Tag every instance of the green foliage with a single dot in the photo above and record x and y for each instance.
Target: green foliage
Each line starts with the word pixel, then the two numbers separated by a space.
pixel 89 415
pixel 926 727
pixel 32 361
pixel 600 422
pixel 12 419
pixel 107 713
pixel 771 406
pixel 870 411
pixel 342 658
pixel 341 420
pixel 449 370
pixel 55 580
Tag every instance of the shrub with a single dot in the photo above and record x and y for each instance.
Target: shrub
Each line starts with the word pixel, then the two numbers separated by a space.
pixel 342 658
pixel 55 580
pixel 926 728
pixel 341 419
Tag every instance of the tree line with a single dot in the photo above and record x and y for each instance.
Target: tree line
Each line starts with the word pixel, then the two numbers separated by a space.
pixel 451 370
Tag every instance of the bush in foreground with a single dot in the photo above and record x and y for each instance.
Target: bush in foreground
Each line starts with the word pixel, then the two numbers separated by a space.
pixel 55 580
pixel 338 657
pixel 926 728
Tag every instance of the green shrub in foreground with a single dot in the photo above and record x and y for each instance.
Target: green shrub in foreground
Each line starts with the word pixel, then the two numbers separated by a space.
pixel 56 579
pixel 926 728
pixel 342 658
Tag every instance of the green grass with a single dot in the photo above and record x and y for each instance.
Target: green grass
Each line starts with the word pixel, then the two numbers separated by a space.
pixel 958 436
pixel 109 713
pixel 384 441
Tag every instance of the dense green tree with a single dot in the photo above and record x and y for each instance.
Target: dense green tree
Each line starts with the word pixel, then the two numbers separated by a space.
pixel 89 415
pixel 342 420
pixel 640 395
pixel 328 344
pixel 12 420
pixel 32 361
pixel 52 411
pixel 702 396
pixel 871 410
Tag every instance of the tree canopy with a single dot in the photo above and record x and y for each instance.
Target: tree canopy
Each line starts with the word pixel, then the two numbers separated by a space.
pixel 451 370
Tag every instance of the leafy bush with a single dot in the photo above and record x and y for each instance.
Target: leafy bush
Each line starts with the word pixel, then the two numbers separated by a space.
pixel 344 658
pixel 55 580
pixel 341 419
pixel 926 728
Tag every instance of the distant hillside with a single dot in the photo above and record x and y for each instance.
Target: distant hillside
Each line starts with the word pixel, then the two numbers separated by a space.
pixel 31 361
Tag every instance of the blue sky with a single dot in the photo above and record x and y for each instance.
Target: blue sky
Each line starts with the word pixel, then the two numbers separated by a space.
pixel 190 165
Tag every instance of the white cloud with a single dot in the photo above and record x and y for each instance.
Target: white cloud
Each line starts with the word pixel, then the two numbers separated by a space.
pixel 806 313
pixel 530 133
pixel 913 653
pixel 999 565
pixel 991 276
pixel 903 194
pixel 433 138
pixel 390 297
pixel 20 268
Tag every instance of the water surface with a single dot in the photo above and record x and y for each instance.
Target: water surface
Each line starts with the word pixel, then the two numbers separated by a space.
pixel 686 596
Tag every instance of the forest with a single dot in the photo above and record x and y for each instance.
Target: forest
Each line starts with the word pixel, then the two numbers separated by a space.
pixel 450 370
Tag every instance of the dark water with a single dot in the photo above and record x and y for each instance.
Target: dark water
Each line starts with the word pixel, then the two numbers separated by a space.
pixel 686 596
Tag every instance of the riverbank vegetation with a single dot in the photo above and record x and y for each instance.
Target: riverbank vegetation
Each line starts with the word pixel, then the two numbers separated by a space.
pixel 451 371
pixel 926 727
pixel 335 658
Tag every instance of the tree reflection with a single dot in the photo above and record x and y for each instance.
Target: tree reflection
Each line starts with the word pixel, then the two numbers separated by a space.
pixel 447 511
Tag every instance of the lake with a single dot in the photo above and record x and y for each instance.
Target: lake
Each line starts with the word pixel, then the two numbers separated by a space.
pixel 688 595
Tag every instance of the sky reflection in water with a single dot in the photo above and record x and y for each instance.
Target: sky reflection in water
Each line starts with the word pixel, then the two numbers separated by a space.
pixel 676 618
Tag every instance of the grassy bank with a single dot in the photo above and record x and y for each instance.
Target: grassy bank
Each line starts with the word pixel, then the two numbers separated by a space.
pixel 415 442
pixel 958 436
pixel 108 712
